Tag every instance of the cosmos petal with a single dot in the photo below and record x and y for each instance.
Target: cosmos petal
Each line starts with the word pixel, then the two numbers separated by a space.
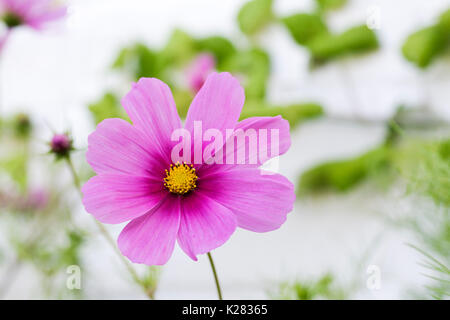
pixel 114 198
pixel 218 104
pixel 260 202
pixel 150 239
pixel 204 225
pixel 152 110
pixel 118 147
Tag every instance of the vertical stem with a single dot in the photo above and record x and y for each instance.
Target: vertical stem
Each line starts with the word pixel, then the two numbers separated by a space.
pixel 106 234
pixel 216 278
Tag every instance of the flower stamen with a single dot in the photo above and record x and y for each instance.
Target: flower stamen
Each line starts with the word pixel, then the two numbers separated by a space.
pixel 180 178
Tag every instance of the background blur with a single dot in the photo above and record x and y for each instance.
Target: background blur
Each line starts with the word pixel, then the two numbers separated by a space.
pixel 333 240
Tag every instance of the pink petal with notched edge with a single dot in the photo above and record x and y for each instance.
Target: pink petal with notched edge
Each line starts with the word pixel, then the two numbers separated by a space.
pixel 243 146
pixel 151 108
pixel 218 104
pixel 114 198
pixel 118 147
pixel 150 239
pixel 260 202
pixel 204 226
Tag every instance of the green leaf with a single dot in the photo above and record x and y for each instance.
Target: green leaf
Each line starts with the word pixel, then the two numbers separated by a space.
pixel 304 27
pixel 254 15
pixel 341 176
pixel 140 61
pixel 423 46
pixel 354 40
pixel 328 5
pixel 254 67
pixel 219 46
pixel 107 107
pixel 295 114
pixel 444 22
pixel 180 49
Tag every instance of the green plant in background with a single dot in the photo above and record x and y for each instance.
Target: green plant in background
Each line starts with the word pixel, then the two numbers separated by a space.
pixel 325 287
pixel 107 107
pixel 140 61
pixel 254 66
pixel 439 274
pixel 399 156
pixel 254 15
pixel 52 259
pixel 329 5
pixel 310 30
pixel 355 40
pixel 295 114
pixel 425 45
pixel 16 167
pixel 425 165
pixel 304 27
pixel 220 47
pixel 344 175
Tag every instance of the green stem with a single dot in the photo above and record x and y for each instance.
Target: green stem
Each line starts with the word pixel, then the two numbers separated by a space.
pixel 216 278
pixel 106 234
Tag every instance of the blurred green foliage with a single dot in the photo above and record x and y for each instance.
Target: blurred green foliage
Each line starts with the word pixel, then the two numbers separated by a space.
pixel 107 107
pixel 295 113
pixel 254 67
pixel 16 166
pixel 140 61
pixel 220 47
pixel 426 167
pixel 311 31
pixel 328 5
pixel 254 15
pixel 304 27
pixel 444 21
pixel 179 50
pixel 183 99
pixel 343 175
pixel 324 287
pixel 424 45
pixel 357 39
pixel 22 126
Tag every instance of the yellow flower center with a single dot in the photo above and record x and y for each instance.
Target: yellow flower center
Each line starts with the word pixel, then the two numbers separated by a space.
pixel 180 178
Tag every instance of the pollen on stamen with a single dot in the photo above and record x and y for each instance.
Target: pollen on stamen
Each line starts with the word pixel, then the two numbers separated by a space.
pixel 180 178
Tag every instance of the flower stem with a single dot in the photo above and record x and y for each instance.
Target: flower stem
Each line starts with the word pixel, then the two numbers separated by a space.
pixel 216 278
pixel 107 236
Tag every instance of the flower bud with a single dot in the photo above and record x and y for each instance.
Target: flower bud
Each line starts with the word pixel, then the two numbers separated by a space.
pixel 61 145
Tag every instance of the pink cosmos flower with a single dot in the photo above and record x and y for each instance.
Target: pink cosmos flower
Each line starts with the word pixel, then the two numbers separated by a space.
pixel 199 206
pixel 34 13
pixel 202 66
